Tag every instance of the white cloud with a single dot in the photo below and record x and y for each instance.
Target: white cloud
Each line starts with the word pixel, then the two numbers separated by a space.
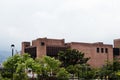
pixel 44 15
pixel 74 20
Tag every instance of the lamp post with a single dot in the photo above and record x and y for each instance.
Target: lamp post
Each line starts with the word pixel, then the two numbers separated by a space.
pixel 12 46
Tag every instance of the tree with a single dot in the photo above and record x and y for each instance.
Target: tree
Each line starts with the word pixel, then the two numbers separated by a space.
pixel 111 69
pixel 52 63
pixel 63 74
pixel 49 65
pixel 72 57
pixel 51 68
pixel 18 64
pixel 116 64
pixel 74 62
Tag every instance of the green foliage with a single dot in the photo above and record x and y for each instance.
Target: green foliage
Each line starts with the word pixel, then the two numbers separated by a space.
pixel 90 73
pixel 74 62
pixel 5 79
pixel 110 70
pixel 52 63
pixel 117 74
pixel 71 69
pixel 46 66
pixel 63 74
pixel 49 65
pixel 18 65
pixel 50 68
pixel 1 78
pixel 81 71
pixel 20 76
pixel 116 64
pixel 72 57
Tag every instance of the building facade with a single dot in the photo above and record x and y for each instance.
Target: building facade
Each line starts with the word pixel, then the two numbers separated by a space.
pixel 116 49
pixel 99 53
pixel 43 46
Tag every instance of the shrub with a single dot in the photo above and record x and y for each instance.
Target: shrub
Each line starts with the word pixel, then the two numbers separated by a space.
pixel 63 74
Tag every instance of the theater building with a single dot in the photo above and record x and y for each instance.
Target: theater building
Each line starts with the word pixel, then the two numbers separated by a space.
pixel 98 52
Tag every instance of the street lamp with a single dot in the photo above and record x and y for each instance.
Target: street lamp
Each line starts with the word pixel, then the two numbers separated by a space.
pixel 12 46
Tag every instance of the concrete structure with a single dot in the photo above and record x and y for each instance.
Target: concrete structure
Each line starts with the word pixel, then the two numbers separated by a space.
pixel 98 52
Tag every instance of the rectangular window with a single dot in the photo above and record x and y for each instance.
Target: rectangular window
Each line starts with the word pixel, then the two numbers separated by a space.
pixel 98 50
pixel 106 50
pixel 102 50
pixel 42 43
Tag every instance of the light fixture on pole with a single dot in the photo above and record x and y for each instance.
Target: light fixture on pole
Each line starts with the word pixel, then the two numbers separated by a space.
pixel 12 46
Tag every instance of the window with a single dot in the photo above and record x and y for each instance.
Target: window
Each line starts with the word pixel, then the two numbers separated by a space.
pixel 26 45
pixel 106 50
pixel 42 43
pixel 102 50
pixel 98 50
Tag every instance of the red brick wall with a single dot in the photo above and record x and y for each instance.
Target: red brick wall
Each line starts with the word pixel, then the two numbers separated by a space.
pixel 24 45
pixel 41 49
pixel 96 59
pixel 117 43
pixel 55 42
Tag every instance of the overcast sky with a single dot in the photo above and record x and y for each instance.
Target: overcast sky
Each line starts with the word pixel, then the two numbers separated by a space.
pixel 74 20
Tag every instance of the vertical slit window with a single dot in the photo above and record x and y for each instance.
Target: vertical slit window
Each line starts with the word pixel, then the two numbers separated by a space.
pixel 106 50
pixel 98 50
pixel 102 50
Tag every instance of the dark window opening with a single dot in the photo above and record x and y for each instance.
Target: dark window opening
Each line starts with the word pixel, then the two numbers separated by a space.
pixel 31 51
pixel 54 50
pixel 42 43
pixel 116 51
pixel 98 50
pixel 26 45
pixel 106 50
pixel 102 50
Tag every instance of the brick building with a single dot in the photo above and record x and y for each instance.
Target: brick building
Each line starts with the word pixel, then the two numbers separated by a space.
pixel 116 49
pixel 43 46
pixel 99 53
